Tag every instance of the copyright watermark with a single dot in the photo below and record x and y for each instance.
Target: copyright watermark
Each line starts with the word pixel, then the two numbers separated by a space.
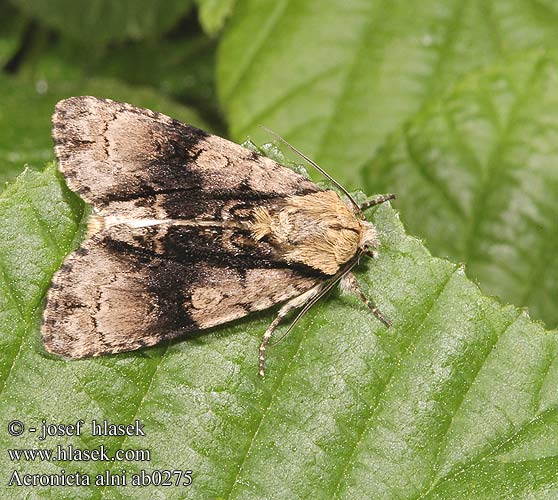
pixel 16 428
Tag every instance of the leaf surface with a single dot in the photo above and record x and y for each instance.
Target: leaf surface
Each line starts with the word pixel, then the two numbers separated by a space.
pixel 102 21
pixel 476 174
pixel 214 13
pixel 458 396
pixel 335 77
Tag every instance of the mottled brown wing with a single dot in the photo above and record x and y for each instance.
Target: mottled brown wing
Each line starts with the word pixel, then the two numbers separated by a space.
pixel 103 301
pixel 129 287
pixel 133 162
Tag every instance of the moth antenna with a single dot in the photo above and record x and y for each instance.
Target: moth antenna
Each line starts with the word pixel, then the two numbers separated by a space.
pixel 382 198
pixel 317 167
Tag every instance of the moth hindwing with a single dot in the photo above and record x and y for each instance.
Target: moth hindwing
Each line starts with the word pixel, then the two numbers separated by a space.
pixel 189 231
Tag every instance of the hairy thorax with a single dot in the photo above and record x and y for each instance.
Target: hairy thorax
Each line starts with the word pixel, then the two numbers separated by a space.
pixel 318 230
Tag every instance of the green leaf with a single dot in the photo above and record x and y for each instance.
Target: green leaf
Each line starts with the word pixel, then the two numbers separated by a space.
pixel 180 67
pixel 12 27
pixel 457 400
pixel 476 175
pixel 101 21
pixel 214 13
pixel 335 77
pixel 26 109
pixel 40 219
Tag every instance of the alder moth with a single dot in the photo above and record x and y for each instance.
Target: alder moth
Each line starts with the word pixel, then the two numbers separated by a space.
pixel 189 231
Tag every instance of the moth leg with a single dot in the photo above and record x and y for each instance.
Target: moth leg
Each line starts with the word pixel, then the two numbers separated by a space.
pixel 286 308
pixel 378 200
pixel 350 284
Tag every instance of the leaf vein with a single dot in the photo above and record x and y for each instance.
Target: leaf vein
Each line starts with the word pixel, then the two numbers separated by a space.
pixel 226 495
pixel 344 84
pixel 257 46
pixel 518 431
pixel 381 390
pixel 494 170
pixel 121 442
pixel 274 105
pixel 443 437
pixel 430 179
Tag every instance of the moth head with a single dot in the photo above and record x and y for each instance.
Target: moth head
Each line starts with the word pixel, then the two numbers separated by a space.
pixel 368 237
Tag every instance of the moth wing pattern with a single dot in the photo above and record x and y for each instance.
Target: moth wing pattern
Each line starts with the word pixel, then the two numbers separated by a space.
pixel 102 301
pixel 126 160
pixel 129 287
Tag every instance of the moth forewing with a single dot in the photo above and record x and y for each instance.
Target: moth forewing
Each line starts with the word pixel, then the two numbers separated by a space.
pixel 190 231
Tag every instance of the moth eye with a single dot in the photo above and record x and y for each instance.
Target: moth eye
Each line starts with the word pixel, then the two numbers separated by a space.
pixel 239 240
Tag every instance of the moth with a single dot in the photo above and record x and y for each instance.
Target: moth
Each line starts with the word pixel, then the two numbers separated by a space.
pixel 189 231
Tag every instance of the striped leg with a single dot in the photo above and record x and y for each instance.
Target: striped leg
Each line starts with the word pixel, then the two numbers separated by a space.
pixel 350 284
pixel 286 309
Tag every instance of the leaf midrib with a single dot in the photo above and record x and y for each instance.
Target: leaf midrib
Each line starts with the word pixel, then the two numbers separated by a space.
pixel 343 87
pixel 257 46
pixel 494 168
pixel 462 468
pixel 435 480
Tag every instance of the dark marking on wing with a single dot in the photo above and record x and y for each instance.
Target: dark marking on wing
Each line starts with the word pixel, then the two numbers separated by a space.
pixel 129 287
pixel 125 159
pixel 104 301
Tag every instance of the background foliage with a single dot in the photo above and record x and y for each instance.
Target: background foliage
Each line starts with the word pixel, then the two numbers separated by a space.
pixel 452 105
